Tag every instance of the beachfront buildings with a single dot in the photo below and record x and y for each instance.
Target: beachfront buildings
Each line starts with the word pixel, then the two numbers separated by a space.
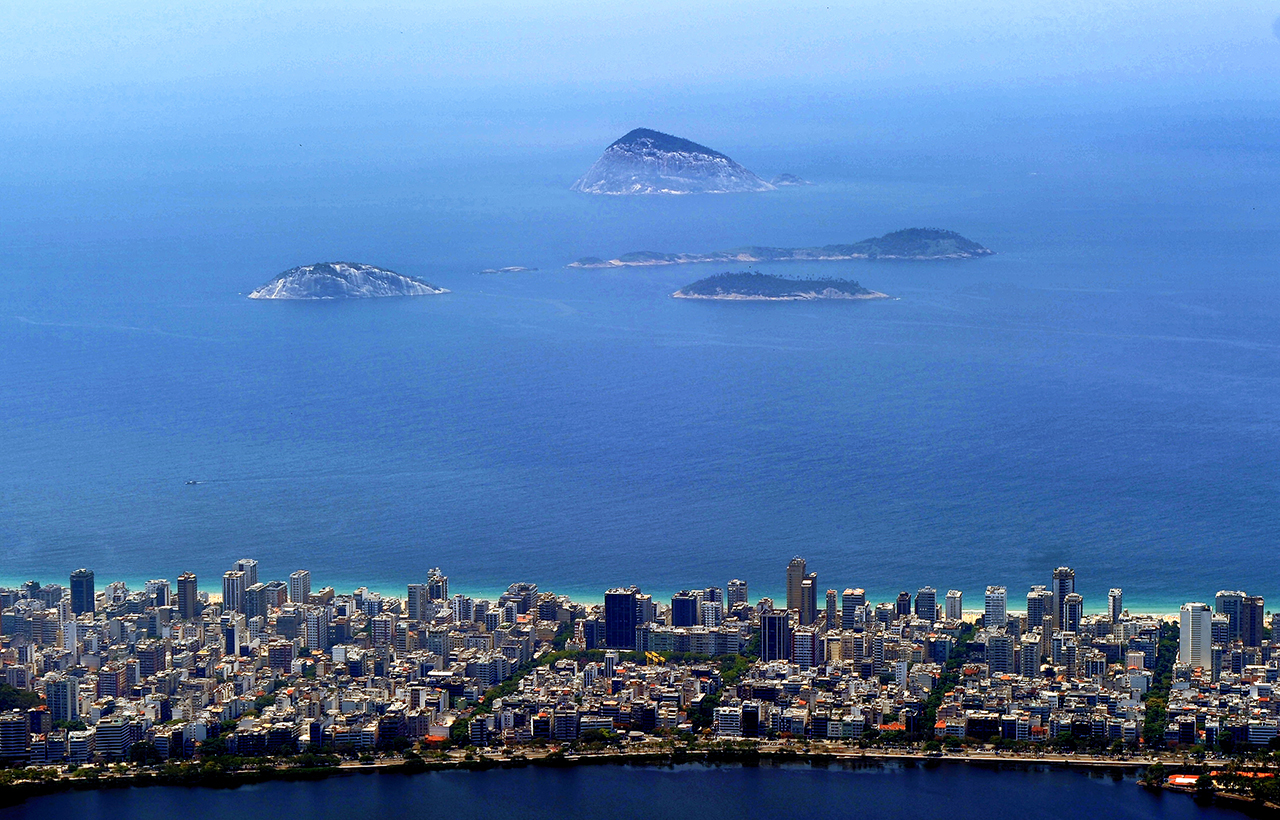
pixel 260 672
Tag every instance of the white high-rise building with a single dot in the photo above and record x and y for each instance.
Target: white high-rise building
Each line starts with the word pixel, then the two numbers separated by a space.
pixel 299 586
pixel 418 603
pixel 233 587
pixel 249 567
pixel 1115 604
pixel 737 594
pixel 850 601
pixel 711 613
pixel 1195 635
pixel 996 612
pixel 955 605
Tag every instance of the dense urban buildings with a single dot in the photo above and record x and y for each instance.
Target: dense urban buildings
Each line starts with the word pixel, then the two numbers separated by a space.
pixel 274 666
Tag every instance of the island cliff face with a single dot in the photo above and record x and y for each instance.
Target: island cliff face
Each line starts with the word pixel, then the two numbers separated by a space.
pixel 342 280
pixel 761 287
pixel 917 244
pixel 650 162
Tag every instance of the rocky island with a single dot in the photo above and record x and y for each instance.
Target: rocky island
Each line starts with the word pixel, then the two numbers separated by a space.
pixel 916 244
pixel 342 280
pixel 650 162
pixel 762 287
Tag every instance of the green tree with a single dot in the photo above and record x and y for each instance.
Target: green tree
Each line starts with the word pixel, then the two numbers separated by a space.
pixel 460 731
pixel 11 698
pixel 144 753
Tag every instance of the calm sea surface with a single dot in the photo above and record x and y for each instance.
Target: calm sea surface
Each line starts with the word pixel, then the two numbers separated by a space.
pixel 961 792
pixel 1103 393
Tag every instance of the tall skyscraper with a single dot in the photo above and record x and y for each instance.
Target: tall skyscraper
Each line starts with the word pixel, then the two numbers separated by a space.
pixel 254 601
pixel 249 567
pixel 684 609
pixel 1039 604
pixel 1221 626
pixel 775 635
pixel 647 610
pixel 437 584
pixel 712 613
pixel 1072 612
pixel 795 577
pixel 809 599
pixel 1115 604
pixel 737 594
pixel 927 603
pixel 1231 604
pixel 62 696
pixel 833 610
pixel 902 606
pixel 82 591
pixel 416 602
pixel 315 634
pixel 849 603
pixel 1064 583
pixel 233 633
pixel 1195 635
pixel 620 618
pixel 158 592
pixel 233 587
pixel 995 613
pixel 1251 620
pixel 1000 655
pixel 955 605
pixel 188 600
pixel 299 586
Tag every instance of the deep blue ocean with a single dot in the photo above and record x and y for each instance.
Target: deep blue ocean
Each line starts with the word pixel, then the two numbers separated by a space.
pixel 1102 393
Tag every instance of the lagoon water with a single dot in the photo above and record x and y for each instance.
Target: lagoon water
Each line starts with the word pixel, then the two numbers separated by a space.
pixel 1103 393
pixel 607 791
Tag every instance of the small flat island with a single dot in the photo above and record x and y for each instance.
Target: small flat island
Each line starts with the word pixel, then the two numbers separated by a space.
pixel 915 244
pixel 785 180
pixel 508 269
pixel 763 287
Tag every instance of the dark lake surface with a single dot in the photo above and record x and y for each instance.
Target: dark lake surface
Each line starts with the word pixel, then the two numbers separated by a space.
pixel 955 791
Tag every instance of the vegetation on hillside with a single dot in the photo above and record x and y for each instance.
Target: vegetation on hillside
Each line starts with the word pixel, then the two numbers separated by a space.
pixel 766 286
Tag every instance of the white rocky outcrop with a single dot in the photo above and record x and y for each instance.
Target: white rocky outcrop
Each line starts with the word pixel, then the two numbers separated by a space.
pixel 342 280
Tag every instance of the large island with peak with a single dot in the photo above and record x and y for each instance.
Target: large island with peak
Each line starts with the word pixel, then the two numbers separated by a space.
pixel 915 244
pixel 644 161
pixel 763 287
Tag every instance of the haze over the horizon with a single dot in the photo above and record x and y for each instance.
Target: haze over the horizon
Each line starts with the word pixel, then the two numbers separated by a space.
pixel 109 90
pixel 1225 48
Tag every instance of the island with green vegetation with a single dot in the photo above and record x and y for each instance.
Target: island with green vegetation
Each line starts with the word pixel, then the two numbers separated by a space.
pixel 914 244
pixel 763 287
